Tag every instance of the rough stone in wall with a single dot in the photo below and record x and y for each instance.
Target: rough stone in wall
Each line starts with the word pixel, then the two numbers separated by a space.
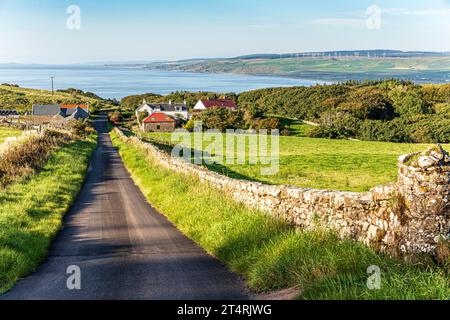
pixel 424 184
pixel 411 216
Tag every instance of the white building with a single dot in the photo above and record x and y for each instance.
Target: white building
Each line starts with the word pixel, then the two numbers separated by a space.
pixel 175 110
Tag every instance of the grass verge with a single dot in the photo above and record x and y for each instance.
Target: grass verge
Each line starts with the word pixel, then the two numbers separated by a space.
pixel 270 254
pixel 31 211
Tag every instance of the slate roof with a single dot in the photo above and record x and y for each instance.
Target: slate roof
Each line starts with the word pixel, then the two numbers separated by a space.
pixel 77 113
pixel 167 107
pixel 8 113
pixel 158 117
pixel 46 110
pixel 63 110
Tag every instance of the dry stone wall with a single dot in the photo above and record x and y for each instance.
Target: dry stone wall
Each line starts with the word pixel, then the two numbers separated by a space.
pixel 411 216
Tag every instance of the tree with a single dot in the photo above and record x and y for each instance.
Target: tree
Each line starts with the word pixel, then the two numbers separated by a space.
pixel 115 117
pixel 142 116
pixel 408 101
pixel 221 119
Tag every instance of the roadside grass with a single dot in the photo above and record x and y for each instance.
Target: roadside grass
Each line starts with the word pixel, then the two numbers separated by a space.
pixel 31 210
pixel 270 254
pixel 320 163
pixel 8 132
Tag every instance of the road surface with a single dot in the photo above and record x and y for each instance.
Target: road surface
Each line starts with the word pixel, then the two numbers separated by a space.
pixel 123 247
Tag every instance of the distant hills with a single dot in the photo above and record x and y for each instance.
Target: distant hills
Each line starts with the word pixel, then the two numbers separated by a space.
pixel 418 66
pixel 330 66
pixel 348 53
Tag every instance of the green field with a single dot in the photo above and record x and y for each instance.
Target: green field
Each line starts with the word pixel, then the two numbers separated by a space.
pixel 352 64
pixel 7 132
pixel 268 253
pixel 322 163
pixel 31 211
pixel 324 68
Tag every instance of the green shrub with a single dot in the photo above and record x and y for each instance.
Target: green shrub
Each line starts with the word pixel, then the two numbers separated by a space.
pixel 21 160
pixel 115 117
pixel 266 124
pixel 221 119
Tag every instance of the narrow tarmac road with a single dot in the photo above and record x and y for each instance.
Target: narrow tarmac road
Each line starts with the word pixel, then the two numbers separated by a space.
pixel 124 248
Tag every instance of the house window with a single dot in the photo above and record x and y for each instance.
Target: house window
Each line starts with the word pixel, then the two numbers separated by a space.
pixel 158 127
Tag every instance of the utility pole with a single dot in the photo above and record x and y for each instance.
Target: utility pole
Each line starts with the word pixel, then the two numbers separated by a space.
pixel 52 84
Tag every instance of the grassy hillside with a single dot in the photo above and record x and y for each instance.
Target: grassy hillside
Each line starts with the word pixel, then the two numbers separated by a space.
pixel 270 254
pixel 321 163
pixel 22 99
pixel 323 68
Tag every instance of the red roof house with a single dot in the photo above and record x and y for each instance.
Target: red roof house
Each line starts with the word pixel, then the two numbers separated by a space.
pixel 158 122
pixel 215 103
pixel 158 117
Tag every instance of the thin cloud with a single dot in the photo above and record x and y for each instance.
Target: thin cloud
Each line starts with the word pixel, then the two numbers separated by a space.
pixel 263 23
pixel 263 26
pixel 339 22
pixel 424 13
pixel 359 18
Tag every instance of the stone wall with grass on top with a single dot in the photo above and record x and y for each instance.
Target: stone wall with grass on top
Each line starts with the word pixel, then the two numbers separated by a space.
pixel 12 141
pixel 29 152
pixel 411 216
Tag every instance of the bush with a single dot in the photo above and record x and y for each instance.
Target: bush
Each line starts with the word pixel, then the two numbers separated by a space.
pixel 143 116
pixel 336 126
pixel 431 130
pixel 190 125
pixel 221 119
pixel 267 124
pixel 408 100
pixel 115 117
pixel 21 160
pixel 80 128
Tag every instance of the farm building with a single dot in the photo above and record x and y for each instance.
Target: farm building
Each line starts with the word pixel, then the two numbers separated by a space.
pixel 9 114
pixel 158 122
pixel 171 109
pixel 56 112
pixel 71 108
pixel 215 103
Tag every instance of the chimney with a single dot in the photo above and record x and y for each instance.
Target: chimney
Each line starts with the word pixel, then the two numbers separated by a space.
pixel 144 101
pixel 184 102
pixel 170 102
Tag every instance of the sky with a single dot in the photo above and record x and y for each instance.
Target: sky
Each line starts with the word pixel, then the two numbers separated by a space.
pixel 83 31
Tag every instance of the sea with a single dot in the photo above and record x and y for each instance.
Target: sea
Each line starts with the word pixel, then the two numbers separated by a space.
pixel 118 82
